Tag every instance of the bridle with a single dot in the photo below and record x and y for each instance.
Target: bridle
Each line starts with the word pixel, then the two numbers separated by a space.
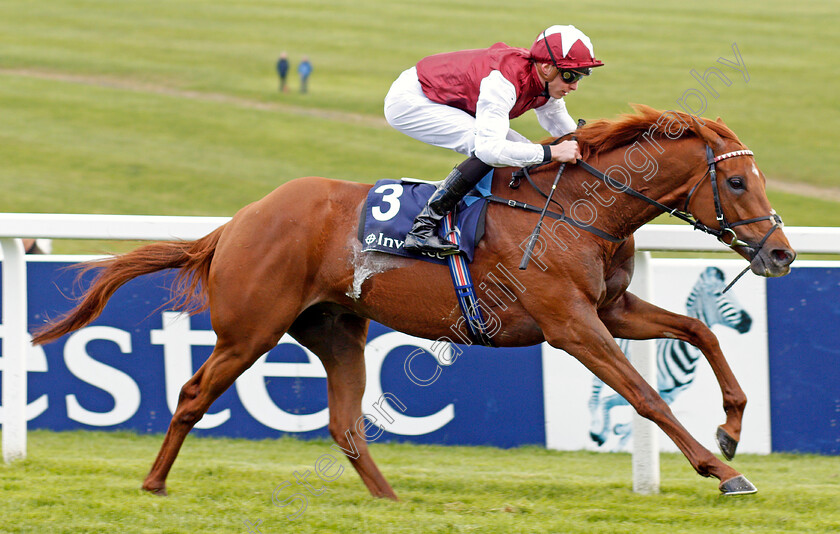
pixel 727 230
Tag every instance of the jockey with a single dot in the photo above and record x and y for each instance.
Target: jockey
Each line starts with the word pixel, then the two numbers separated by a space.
pixel 464 101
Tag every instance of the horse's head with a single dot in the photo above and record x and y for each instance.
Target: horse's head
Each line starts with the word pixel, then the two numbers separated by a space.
pixel 710 304
pixel 729 195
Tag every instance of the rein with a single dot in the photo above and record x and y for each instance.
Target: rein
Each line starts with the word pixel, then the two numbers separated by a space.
pixel 726 228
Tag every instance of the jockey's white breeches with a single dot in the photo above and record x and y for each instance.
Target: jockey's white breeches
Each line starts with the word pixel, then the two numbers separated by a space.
pixel 411 112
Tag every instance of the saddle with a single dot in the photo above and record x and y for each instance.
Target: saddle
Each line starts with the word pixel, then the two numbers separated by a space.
pixel 391 206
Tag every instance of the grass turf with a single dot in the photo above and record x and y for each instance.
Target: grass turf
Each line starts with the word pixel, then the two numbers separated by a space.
pixel 89 482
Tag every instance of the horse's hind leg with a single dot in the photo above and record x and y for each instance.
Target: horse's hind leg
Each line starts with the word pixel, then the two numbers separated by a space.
pixel 633 318
pixel 338 339
pixel 249 317
pixel 225 364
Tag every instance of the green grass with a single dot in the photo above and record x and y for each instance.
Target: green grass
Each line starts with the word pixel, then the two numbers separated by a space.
pixel 150 107
pixel 88 482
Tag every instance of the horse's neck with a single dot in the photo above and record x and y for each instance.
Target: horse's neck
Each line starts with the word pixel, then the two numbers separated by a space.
pixel 666 178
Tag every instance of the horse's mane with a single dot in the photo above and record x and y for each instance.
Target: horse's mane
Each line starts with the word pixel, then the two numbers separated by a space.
pixel 604 135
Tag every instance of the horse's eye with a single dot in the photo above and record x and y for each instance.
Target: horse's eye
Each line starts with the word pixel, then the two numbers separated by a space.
pixel 736 182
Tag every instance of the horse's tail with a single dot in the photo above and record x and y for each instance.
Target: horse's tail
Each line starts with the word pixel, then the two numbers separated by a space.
pixel 189 292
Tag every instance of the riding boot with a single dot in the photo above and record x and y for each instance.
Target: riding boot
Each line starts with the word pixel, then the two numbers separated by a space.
pixel 423 235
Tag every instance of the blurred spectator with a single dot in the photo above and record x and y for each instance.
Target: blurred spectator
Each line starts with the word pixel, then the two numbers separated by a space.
pixel 283 70
pixel 304 69
pixel 37 246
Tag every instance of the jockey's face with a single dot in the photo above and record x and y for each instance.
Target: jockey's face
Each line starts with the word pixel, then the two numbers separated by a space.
pixel 557 88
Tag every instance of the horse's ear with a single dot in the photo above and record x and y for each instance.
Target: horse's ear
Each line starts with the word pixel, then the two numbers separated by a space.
pixel 708 136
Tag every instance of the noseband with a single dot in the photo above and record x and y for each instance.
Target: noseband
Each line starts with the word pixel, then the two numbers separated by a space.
pixel 726 228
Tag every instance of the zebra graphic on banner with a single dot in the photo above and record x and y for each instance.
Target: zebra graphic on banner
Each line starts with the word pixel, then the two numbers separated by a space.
pixel 676 360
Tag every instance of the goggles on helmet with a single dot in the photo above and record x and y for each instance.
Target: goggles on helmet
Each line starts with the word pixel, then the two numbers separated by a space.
pixel 571 76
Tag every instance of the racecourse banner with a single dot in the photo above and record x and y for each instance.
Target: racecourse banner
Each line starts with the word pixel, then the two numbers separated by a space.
pixel 125 371
pixel 590 415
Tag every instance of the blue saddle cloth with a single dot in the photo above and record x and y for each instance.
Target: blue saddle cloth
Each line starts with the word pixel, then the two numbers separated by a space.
pixel 390 209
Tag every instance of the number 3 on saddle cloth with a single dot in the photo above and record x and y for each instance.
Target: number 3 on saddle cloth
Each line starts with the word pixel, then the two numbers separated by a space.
pixel 390 208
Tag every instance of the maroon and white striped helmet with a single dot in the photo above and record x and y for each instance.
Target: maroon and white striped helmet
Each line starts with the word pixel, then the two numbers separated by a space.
pixel 566 47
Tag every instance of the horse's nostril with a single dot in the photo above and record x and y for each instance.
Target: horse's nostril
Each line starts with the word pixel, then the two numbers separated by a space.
pixel 783 256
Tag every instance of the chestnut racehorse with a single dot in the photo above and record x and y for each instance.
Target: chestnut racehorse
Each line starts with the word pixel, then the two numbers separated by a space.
pixel 292 262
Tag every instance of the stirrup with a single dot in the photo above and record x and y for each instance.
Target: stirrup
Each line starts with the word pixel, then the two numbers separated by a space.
pixel 432 245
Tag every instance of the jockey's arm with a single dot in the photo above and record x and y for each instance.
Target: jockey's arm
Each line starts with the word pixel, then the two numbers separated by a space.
pixel 556 120
pixel 493 140
pixel 554 117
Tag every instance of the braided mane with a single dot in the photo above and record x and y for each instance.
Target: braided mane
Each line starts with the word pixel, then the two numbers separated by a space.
pixel 604 135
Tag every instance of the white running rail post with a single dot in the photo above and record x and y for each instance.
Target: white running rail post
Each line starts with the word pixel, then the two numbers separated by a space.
pixel 643 358
pixel 15 341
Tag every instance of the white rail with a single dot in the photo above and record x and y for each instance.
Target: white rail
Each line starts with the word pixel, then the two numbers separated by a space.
pixel 14 226
pixel 14 349
pixel 118 227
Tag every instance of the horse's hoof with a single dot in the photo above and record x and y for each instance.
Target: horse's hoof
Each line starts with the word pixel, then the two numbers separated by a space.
pixel 161 491
pixel 726 443
pixel 737 486
pixel 597 438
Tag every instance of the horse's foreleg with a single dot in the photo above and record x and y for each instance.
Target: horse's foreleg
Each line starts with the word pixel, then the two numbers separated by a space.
pixel 587 339
pixel 339 339
pixel 633 318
